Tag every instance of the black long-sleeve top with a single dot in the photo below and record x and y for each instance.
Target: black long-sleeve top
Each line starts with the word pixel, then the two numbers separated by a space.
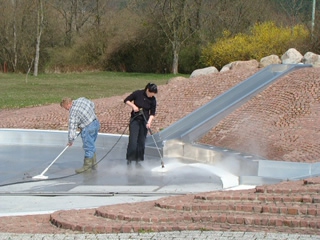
pixel 141 100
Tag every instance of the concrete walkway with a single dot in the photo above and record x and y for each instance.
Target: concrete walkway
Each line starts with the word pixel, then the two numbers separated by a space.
pixel 186 235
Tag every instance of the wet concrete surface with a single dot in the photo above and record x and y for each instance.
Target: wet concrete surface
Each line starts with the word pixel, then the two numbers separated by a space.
pixel 113 174
pixel 113 182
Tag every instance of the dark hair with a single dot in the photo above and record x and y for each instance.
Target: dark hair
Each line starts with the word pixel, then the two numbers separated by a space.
pixel 151 87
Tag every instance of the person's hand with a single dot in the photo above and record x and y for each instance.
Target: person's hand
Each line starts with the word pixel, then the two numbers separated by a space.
pixel 70 144
pixel 135 109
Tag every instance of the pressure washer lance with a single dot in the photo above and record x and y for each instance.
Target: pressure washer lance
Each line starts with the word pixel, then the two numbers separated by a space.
pixel 41 176
pixel 141 112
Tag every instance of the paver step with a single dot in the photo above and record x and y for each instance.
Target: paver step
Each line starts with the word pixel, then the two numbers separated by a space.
pixel 247 210
pixel 268 198
pixel 291 205
pixel 302 196
pixel 249 207
pixel 306 186
pixel 139 216
pixel 150 212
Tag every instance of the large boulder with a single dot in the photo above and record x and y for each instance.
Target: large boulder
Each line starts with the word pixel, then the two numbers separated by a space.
pixel 250 64
pixel 311 58
pixel 226 67
pixel 268 60
pixel 291 56
pixel 204 71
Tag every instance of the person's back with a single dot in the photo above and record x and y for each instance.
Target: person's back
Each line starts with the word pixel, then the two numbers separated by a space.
pixel 82 115
pixel 84 110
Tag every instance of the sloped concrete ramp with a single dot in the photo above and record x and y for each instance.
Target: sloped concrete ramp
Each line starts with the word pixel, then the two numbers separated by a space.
pixel 199 122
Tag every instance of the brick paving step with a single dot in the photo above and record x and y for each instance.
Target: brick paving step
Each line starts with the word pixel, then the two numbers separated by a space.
pixel 257 198
pixel 138 216
pixel 84 222
pixel 294 204
pixel 249 207
pixel 311 195
pixel 280 208
pixel 264 198
pixel 151 213
pixel 289 190
pixel 301 196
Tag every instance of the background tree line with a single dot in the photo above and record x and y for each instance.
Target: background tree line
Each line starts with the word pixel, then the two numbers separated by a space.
pixel 159 36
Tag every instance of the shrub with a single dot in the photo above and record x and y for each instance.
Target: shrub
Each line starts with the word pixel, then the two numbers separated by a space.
pixel 264 39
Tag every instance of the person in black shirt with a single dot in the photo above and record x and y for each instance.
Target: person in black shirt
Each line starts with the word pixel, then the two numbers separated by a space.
pixel 143 104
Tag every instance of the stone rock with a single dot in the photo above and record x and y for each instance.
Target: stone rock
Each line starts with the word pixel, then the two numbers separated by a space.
pixel 204 71
pixel 291 56
pixel 311 58
pixel 226 67
pixel 250 64
pixel 268 60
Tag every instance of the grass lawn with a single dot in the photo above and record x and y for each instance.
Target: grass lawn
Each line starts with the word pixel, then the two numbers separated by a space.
pixel 17 91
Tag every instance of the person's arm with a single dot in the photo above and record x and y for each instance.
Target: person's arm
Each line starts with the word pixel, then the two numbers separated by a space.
pixel 132 105
pixel 73 126
pixel 130 101
pixel 150 121
pixel 152 113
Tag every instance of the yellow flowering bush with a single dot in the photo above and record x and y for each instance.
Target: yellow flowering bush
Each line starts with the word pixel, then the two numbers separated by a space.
pixel 264 39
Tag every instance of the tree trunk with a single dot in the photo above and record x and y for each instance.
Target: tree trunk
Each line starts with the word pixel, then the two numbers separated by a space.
pixel 176 50
pixel 15 61
pixel 39 32
pixel 175 63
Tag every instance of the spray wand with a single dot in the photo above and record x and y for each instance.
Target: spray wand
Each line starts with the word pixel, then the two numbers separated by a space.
pixel 141 112
pixel 42 176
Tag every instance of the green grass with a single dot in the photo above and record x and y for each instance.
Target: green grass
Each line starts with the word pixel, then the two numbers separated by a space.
pixel 17 91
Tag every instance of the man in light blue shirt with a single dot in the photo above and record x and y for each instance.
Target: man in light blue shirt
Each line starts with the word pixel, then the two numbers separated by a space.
pixel 82 115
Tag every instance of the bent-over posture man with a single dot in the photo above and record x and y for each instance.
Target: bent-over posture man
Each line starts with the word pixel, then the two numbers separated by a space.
pixel 82 115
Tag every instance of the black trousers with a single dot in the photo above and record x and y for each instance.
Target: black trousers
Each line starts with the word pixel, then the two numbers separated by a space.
pixel 137 138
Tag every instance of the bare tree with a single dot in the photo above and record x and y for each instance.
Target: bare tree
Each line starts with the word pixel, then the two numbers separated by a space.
pixel 15 59
pixel 234 16
pixel 76 13
pixel 39 33
pixel 17 33
pixel 177 19
pixel 292 8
